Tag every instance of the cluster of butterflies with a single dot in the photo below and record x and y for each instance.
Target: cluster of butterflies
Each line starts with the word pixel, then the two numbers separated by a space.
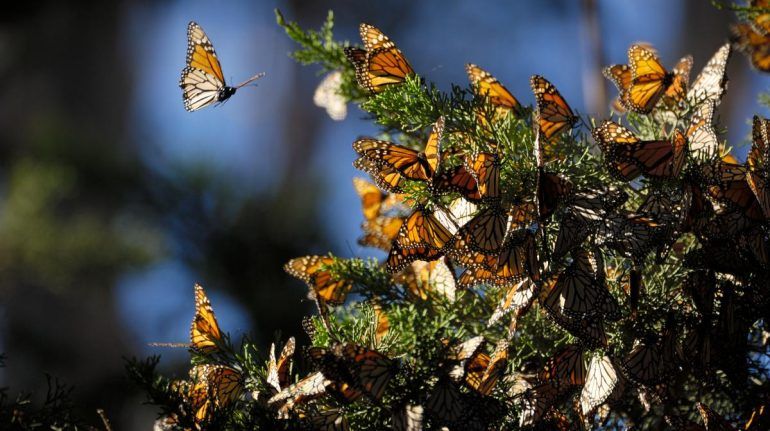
pixel 753 36
pixel 468 232
pixel 690 184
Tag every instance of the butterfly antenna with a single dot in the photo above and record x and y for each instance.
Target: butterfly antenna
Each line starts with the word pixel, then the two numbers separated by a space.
pixel 250 80
pixel 172 345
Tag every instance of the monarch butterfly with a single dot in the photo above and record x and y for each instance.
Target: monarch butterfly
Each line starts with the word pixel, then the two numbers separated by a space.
pixel 551 189
pixel 445 401
pixel 647 362
pixel 603 383
pixel 486 85
pixel 328 420
pixel 515 260
pixel 214 387
pixel 758 162
pixel 585 211
pixel 553 114
pixel 421 237
pixel 484 233
pixel 459 180
pixel 578 294
pixel 460 355
pixel 630 157
pixel 754 40
pixel 645 81
pixel 205 336
pixel 380 232
pixel 371 198
pixel 565 369
pixel 728 183
pixel 485 168
pixel 632 235
pixel 363 369
pixel 408 418
pixel 536 401
pixel 517 298
pixel 424 278
pixel 386 177
pixel 203 82
pixel 324 286
pixel 278 370
pixel 309 388
pixel 484 371
pixel 701 136
pixel 590 331
pixel 711 82
pixel 380 63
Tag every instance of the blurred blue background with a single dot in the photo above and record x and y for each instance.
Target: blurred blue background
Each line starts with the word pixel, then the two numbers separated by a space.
pixel 116 200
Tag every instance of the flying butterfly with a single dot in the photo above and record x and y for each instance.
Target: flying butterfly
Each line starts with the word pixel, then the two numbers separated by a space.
pixel 630 157
pixel 380 232
pixel 645 81
pixel 753 39
pixel 203 82
pixel 486 85
pixel 553 115
pixel 380 63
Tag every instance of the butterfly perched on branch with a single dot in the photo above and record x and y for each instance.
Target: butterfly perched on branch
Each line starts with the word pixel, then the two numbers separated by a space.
pixel 203 82
pixel 380 63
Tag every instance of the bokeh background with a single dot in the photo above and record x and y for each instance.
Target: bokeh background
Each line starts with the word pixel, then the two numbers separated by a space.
pixel 114 200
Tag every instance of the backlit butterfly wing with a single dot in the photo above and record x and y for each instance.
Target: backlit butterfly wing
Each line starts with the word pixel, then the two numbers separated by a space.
pixel 205 336
pixel 649 80
pixel 758 162
pixel 405 160
pixel 380 232
pixel 445 401
pixel 328 420
pixel 630 157
pixel 458 179
pixel 202 80
pixel 421 237
pixel 323 284
pixel 711 83
pixel 371 370
pixel 408 418
pixel 553 113
pixel 214 387
pixel 486 85
pixel 484 373
pixel 518 297
pixel 386 177
pixel 307 389
pixel 590 331
pixel 602 382
pixel 380 63
pixel 677 91
pixel 278 370
pixel 484 233
pixel 702 138
pixel 565 369
pixel 713 420
pixel 730 186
